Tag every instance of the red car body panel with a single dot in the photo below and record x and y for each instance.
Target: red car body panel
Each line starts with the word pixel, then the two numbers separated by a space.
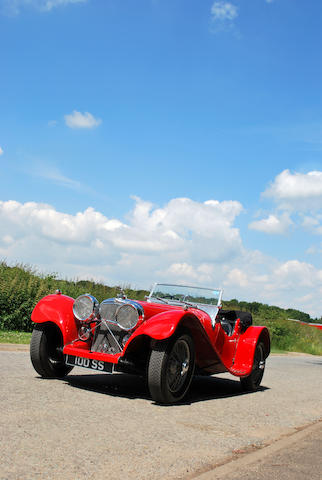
pixel 245 351
pixel 59 310
pixel 215 351
pixel 80 349
pixel 161 325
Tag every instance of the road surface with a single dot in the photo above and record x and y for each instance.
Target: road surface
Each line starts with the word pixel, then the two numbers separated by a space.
pixel 97 426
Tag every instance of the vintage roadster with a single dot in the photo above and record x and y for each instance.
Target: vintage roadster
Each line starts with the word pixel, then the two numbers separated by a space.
pixel 178 331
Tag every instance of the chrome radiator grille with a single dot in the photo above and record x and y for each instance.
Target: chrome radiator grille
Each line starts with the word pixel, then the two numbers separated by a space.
pixel 108 338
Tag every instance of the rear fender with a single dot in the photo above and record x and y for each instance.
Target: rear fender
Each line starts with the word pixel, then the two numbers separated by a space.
pixel 57 309
pixel 245 352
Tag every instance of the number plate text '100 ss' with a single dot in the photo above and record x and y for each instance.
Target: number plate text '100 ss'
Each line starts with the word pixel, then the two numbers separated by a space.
pixel 97 365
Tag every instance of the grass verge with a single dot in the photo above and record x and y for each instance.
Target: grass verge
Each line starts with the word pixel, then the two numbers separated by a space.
pixel 14 337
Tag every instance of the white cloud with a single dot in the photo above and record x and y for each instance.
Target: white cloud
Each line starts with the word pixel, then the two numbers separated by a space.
pixel 180 272
pixel 1 151
pixel 184 238
pixel 272 224
pixel 294 271
pixel 296 191
pixel 313 250
pixel 7 239
pixel 222 16
pixel 312 223
pixel 14 7
pixel 237 277
pixel 299 197
pixel 222 11
pixel 52 173
pixel 48 5
pixel 81 120
pixel 42 235
pixel 183 241
pixel 177 228
pixel 289 284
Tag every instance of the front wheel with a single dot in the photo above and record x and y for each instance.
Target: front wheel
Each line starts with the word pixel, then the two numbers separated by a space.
pixel 252 382
pixel 45 352
pixel 170 370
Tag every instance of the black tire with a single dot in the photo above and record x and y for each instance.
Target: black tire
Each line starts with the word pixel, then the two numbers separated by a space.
pixel 45 352
pixel 253 381
pixel 170 369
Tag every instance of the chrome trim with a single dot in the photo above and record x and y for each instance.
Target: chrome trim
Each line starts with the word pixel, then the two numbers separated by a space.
pixel 261 364
pixel 95 307
pixel 84 333
pixel 121 302
pixel 117 313
pixel 106 302
pixel 106 325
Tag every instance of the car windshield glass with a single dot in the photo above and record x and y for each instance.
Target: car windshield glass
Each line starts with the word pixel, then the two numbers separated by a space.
pixel 183 294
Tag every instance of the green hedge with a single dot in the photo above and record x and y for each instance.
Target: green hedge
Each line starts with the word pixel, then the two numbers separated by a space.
pixel 285 335
pixel 21 287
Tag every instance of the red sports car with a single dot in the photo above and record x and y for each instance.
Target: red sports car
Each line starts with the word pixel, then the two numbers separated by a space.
pixel 177 332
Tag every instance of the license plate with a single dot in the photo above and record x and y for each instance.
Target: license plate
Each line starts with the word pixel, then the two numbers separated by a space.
pixel 97 365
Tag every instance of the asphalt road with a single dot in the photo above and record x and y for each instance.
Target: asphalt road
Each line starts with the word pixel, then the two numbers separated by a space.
pixel 97 426
pixel 295 457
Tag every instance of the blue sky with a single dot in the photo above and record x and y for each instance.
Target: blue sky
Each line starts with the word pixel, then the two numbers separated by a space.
pixel 165 140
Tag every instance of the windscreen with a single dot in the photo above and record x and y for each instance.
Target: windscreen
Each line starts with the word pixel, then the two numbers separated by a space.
pixel 182 293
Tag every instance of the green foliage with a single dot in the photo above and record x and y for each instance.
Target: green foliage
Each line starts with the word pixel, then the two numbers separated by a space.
pixel 294 337
pixel 267 311
pixel 21 287
pixel 285 335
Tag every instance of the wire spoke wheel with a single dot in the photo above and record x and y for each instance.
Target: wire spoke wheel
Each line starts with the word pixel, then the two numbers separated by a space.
pixel 170 370
pixel 178 366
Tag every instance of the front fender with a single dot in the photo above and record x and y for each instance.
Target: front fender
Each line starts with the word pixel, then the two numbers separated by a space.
pixel 164 325
pixel 161 325
pixel 57 309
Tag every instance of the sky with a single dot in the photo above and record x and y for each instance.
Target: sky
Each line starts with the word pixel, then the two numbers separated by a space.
pixel 165 140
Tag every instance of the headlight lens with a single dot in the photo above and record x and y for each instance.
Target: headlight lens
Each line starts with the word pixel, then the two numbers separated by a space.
pixel 127 316
pixel 85 307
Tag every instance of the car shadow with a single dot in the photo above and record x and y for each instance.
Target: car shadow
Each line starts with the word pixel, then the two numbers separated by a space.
pixel 213 387
pixel 117 385
pixel 203 388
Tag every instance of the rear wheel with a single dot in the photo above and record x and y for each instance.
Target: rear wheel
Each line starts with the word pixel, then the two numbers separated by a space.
pixel 170 370
pixel 45 352
pixel 252 382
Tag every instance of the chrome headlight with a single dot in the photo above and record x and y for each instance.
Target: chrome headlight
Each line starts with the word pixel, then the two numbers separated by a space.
pixel 127 316
pixel 123 313
pixel 85 307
